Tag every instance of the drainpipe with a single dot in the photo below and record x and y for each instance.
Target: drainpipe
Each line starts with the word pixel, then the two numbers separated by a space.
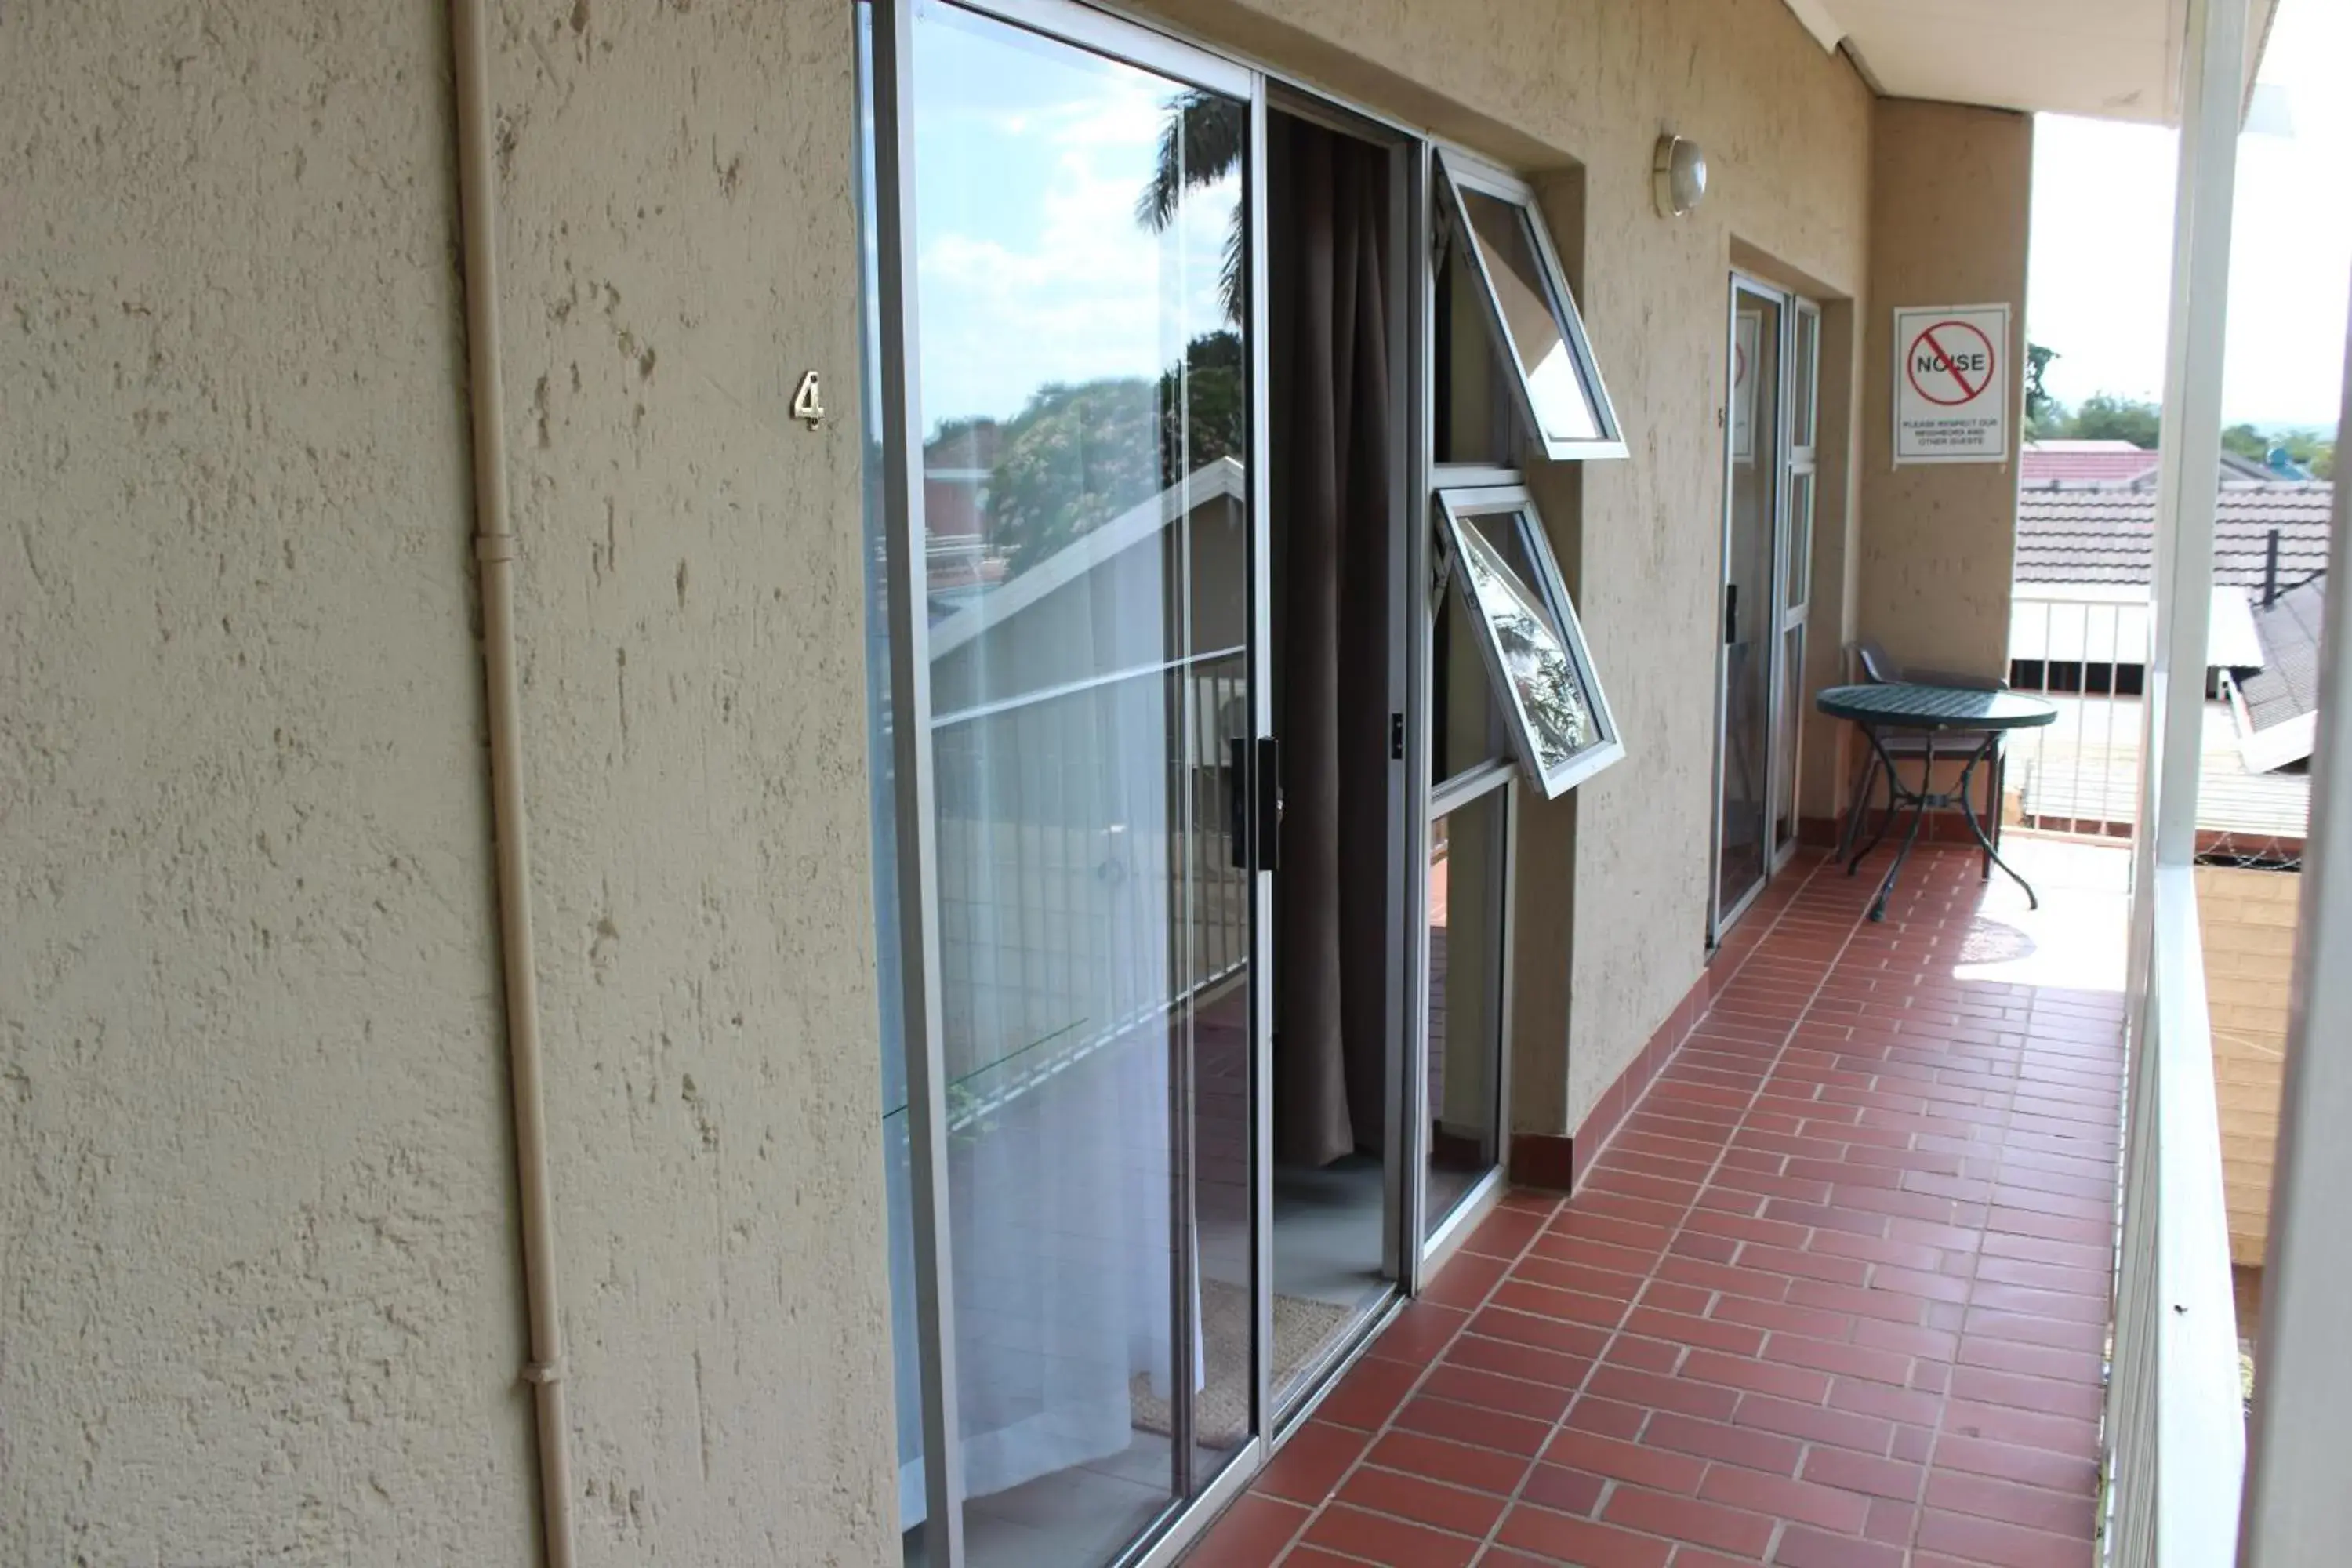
pixel 493 547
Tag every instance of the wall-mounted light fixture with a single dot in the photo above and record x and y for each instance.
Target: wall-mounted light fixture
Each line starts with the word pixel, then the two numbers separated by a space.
pixel 1677 175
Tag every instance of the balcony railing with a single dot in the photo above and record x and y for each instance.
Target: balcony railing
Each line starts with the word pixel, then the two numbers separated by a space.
pixel 2176 1437
pixel 2084 649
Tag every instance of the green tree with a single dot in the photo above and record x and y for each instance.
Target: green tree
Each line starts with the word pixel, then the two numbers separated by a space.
pixel 2104 416
pixel 2040 409
pixel 1077 455
pixel 1201 142
pixel 2246 442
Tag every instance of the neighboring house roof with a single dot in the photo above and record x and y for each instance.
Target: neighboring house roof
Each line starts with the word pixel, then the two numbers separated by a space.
pixel 2277 707
pixel 2107 535
pixel 1221 478
pixel 2083 462
pixel 2116 465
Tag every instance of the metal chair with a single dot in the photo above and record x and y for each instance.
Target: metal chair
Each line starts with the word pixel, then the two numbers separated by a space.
pixel 1872 665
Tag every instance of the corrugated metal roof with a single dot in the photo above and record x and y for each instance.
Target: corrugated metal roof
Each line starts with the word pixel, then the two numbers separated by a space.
pixel 2287 687
pixel 2107 535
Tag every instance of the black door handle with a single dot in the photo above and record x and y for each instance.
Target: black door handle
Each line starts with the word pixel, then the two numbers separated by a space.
pixel 1269 804
pixel 1237 801
pixel 1731 612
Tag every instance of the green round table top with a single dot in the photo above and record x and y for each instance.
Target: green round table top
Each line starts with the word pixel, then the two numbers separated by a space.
pixel 1901 705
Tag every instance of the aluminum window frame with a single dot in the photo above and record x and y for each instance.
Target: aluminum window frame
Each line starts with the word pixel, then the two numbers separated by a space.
pixel 1191 1506
pixel 1456 509
pixel 1115 30
pixel 1459 171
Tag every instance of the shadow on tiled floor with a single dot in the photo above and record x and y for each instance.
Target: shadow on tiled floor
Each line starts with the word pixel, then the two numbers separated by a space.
pixel 1833 1296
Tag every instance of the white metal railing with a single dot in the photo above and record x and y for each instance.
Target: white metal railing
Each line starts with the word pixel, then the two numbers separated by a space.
pixel 1087 882
pixel 2176 1436
pixel 2084 648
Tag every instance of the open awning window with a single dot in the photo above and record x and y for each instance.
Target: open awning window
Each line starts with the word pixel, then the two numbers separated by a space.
pixel 1492 546
pixel 1495 220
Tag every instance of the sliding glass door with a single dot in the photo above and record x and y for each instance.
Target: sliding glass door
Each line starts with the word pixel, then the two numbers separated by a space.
pixel 1773 348
pixel 1065 367
pixel 1097 604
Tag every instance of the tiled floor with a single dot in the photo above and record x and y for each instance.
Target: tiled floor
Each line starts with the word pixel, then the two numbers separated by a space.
pixel 1834 1297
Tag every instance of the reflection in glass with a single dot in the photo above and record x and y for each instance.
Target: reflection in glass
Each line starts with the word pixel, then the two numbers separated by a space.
pixel 1467 728
pixel 1530 317
pixel 1465 997
pixel 1800 537
pixel 1526 637
pixel 1784 753
pixel 1750 622
pixel 1804 395
pixel 1082 385
pixel 1477 415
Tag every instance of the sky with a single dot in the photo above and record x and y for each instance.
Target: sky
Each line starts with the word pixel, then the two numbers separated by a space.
pixel 1033 269
pixel 2100 273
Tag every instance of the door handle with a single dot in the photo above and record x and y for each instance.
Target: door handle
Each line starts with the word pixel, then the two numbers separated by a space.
pixel 1731 612
pixel 1237 801
pixel 1269 804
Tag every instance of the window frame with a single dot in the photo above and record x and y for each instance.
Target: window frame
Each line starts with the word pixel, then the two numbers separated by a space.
pixel 1456 172
pixel 1456 507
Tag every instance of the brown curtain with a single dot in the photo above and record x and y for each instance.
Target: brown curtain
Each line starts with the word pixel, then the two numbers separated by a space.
pixel 1328 211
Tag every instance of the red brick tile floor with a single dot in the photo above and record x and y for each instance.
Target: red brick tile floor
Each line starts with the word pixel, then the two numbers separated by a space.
pixel 1834 1296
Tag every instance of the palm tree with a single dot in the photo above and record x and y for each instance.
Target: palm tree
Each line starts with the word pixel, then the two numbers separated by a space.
pixel 1201 142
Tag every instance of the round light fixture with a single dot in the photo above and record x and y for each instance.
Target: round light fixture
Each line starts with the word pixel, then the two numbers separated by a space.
pixel 1677 175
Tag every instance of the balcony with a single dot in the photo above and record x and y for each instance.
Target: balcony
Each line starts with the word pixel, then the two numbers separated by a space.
pixel 1836 1295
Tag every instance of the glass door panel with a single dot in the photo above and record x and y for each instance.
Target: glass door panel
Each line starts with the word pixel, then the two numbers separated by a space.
pixel 1750 621
pixel 1790 718
pixel 1081 383
pixel 1468 847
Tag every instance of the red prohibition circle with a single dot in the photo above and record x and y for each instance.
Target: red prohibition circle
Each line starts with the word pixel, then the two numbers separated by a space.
pixel 1928 336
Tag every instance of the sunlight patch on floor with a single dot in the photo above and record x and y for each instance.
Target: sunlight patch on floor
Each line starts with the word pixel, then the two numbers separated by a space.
pixel 2077 940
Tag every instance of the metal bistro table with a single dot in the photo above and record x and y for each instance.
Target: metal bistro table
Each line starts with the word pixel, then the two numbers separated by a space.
pixel 1932 711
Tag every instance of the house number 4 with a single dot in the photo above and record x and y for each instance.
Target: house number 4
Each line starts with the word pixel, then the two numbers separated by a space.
pixel 808 401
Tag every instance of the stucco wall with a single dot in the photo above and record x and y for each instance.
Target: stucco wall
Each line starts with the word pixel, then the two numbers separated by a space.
pixel 258 1295
pixel 258 1285
pixel 1787 130
pixel 1950 198
pixel 680 246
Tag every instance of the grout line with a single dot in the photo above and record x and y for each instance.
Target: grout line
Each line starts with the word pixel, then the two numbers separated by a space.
pixel 1600 1503
pixel 1388 1422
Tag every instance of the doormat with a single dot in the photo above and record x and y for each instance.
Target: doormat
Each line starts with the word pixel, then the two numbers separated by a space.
pixel 1302 1329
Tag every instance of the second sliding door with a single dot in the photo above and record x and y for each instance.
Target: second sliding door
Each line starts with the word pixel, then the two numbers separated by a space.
pixel 1071 226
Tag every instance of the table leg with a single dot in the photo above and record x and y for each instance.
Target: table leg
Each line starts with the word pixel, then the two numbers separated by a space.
pixel 1968 810
pixel 1896 796
pixel 1918 799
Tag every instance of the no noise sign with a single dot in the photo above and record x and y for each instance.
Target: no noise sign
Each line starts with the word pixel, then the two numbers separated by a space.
pixel 1951 383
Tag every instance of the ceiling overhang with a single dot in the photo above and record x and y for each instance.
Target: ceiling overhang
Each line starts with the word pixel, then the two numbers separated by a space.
pixel 2109 60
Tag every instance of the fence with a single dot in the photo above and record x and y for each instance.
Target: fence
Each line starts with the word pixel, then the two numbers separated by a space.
pixel 2086 652
pixel 1086 878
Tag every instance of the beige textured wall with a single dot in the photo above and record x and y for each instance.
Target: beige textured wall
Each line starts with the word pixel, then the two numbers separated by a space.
pixel 1787 130
pixel 1950 198
pixel 680 244
pixel 2249 919
pixel 258 1288
pixel 258 1296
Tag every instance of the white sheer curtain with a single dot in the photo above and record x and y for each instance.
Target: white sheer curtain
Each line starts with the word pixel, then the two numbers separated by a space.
pixel 1056 891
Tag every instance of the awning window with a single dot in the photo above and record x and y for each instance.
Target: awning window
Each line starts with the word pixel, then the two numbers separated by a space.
pixel 1496 221
pixel 1493 547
